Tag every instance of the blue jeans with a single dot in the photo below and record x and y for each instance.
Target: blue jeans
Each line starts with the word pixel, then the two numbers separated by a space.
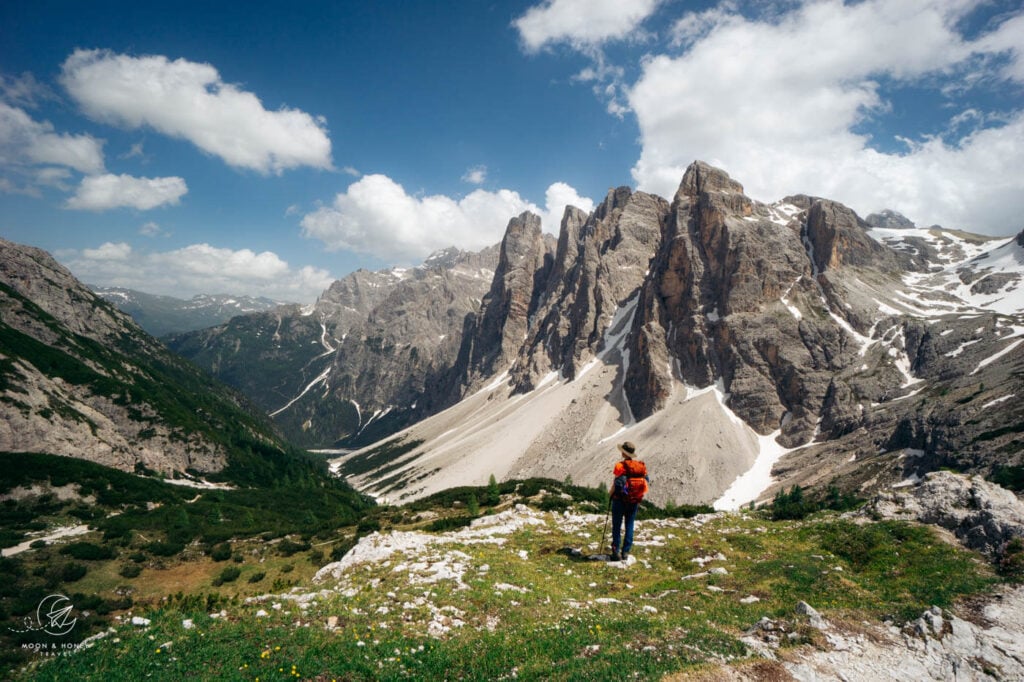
pixel 623 511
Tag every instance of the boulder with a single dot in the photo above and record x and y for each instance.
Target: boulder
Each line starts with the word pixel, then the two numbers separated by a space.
pixel 982 515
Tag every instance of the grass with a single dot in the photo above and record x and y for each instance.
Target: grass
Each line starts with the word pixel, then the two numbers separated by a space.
pixel 548 616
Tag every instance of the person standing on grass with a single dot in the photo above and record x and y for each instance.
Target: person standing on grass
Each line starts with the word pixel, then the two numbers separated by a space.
pixel 630 486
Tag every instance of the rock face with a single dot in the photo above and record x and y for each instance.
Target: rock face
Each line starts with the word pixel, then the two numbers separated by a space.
pixel 716 329
pixel 984 516
pixel 937 646
pixel 81 379
pixel 494 335
pixel 566 297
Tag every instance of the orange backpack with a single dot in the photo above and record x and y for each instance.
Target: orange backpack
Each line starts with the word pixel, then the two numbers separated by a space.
pixel 632 485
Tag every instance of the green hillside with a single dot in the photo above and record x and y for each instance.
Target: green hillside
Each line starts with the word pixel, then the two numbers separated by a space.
pixel 515 596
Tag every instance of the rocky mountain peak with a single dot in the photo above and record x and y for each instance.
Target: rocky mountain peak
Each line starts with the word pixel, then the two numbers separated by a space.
pixel 616 199
pixel 493 336
pixel 702 178
pixel 889 219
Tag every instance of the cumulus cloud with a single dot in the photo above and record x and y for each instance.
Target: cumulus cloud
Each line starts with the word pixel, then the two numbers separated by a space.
pixel 581 22
pixel 198 269
pixel 188 100
pixel 104 192
pixel 780 103
pixel 375 215
pixel 25 142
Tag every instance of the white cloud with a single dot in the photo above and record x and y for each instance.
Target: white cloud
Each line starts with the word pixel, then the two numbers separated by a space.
pixel 376 216
pixel 109 252
pixel 53 176
pixel 103 192
pixel 477 175
pixel 581 22
pixel 26 142
pixel 777 103
pixel 188 100
pixel 1008 39
pixel 198 269
pixel 25 90
pixel 151 229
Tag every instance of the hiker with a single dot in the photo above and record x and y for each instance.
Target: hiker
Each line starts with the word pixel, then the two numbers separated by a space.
pixel 631 484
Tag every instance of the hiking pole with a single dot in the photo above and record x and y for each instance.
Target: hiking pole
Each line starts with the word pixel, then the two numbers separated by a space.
pixel 605 529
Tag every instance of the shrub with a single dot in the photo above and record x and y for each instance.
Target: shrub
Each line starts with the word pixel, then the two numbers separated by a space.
pixel 449 523
pixel 554 503
pixel 1011 477
pixel 256 577
pixel 794 505
pixel 791 506
pixel 229 574
pixel 367 525
pixel 130 571
pixel 69 573
pixel 86 551
pixel 287 547
pixel 165 548
pixel 221 552
pixel 1011 563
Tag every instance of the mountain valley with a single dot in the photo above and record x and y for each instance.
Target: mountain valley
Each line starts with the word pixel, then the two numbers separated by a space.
pixel 869 367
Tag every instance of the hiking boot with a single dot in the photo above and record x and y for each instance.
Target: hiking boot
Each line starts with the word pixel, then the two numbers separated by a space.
pixel 615 555
pixel 625 555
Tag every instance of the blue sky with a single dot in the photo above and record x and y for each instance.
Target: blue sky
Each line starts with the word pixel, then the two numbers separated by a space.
pixel 268 148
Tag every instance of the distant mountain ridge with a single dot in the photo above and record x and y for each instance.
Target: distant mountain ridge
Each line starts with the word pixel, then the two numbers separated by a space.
pixel 368 358
pixel 163 315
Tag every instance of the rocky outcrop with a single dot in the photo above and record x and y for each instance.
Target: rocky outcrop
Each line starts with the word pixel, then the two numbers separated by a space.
pixel 494 336
pixel 36 276
pixel 982 515
pixel 836 237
